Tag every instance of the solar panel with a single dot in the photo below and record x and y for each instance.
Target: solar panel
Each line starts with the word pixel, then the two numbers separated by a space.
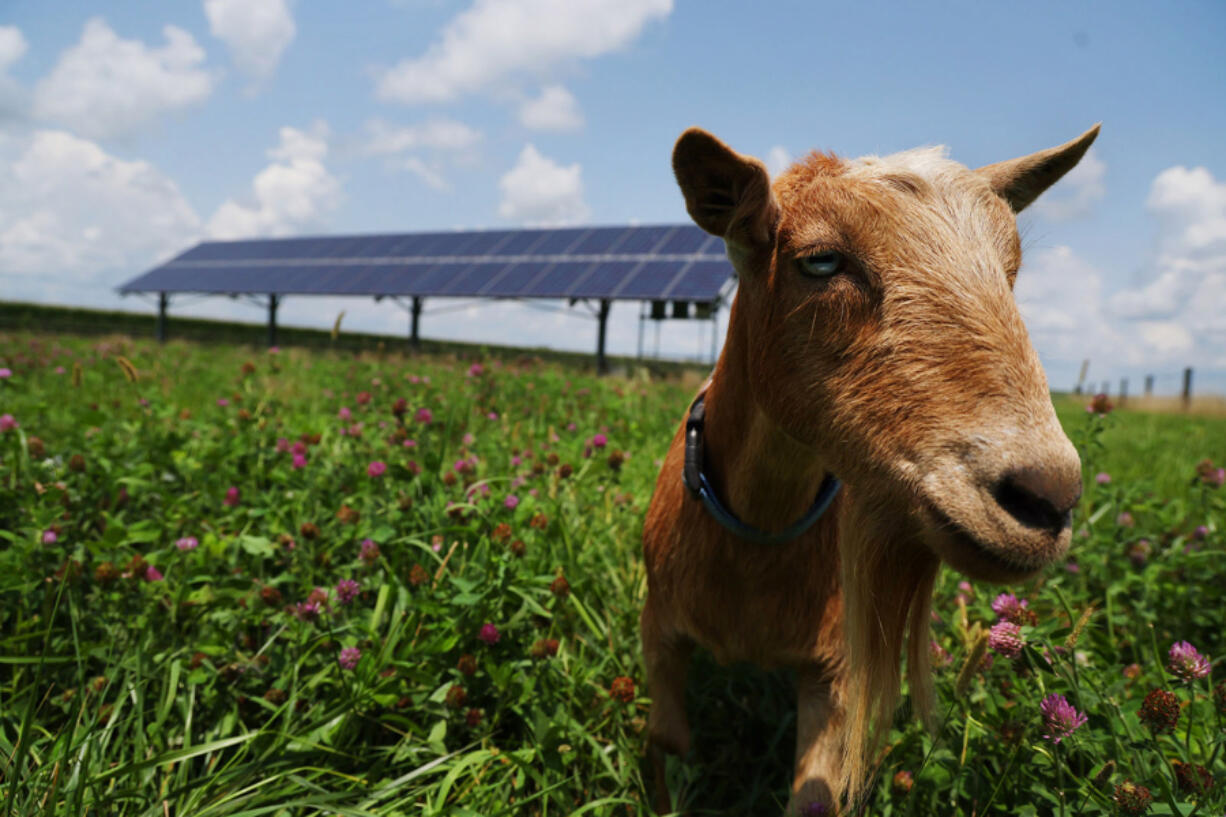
pixel 620 263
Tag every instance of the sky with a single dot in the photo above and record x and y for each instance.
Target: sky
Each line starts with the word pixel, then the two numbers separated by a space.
pixel 129 131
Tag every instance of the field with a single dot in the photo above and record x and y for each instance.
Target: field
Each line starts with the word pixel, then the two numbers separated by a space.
pixel 238 582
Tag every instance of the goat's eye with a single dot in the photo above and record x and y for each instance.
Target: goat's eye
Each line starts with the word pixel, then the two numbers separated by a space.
pixel 822 265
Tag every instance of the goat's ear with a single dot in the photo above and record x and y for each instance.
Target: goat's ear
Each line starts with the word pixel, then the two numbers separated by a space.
pixel 727 194
pixel 1020 181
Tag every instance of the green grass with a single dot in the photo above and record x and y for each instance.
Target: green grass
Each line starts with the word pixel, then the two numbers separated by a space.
pixel 206 687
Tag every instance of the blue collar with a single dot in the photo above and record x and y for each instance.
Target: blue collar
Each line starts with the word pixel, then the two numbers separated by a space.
pixel 695 478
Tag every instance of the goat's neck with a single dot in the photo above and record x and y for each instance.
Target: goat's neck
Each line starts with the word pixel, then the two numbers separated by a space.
pixel 764 475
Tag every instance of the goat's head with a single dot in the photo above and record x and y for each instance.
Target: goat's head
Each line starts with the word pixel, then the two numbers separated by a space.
pixel 878 325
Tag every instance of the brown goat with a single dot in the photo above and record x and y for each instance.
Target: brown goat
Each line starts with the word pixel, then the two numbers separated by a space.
pixel 874 337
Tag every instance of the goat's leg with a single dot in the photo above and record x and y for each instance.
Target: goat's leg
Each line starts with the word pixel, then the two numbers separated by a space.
pixel 668 656
pixel 819 726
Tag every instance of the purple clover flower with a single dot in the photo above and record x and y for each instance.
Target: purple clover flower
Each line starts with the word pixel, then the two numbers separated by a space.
pixel 376 469
pixel 50 537
pixel 1186 661
pixel 511 501
pixel 489 634
pixel 1060 718
pixel 1005 637
pixel 369 551
pixel 187 543
pixel 1007 605
pixel 347 590
pixel 7 422
pixel 349 657
pixel 1102 478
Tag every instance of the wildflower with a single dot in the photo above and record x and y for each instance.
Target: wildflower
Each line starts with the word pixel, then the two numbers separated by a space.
pixel 7 423
pixel 400 407
pixel 152 574
pixel 271 596
pixel 1102 478
pixel 473 718
pixel 275 696
pixel 36 447
pixel 622 689
pixel 50 537
pixel 348 658
pixel 346 591
pixel 309 530
pixel 599 441
pixel 493 415
pixel 424 416
pixel 1059 717
pixel 903 781
pixel 363 398
pixel 1072 567
pixel 306 610
pixel 560 587
pixel 467 665
pixel 1006 605
pixel 105 573
pixel 511 501
pixel 232 497
pixel 187 543
pixel 565 470
pixel 1125 520
pixel 544 648
pixel 1192 778
pixel 76 463
pixel 282 445
pixel 1139 551
pixel 410 443
pixel 489 634
pixel 1100 404
pixel 476 370
pixel 455 696
pixel 1185 661
pixel 418 575
pixel 501 532
pixel 1132 799
pixel 223 402
pixel 1132 671
pixel 347 515
pixel 1200 533
pixel 376 469
pixel 616 459
pixel 5 373
pixel 299 461
pixel 1160 711
pixel 939 656
pixel 468 438
pixel 299 447
pixel 1005 637
pixel 1209 475
pixel 517 548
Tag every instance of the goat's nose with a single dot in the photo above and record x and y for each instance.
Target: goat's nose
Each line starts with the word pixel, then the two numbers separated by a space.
pixel 1039 497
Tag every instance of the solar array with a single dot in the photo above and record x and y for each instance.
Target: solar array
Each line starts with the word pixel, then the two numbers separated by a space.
pixel 661 262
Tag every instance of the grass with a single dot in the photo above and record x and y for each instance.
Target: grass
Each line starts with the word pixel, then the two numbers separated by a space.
pixel 498 668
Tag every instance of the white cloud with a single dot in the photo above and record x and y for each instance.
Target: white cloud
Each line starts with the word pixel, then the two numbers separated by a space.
pixel 778 159
pixel 296 190
pixel 13 46
pixel 106 86
pixel 426 173
pixel 495 39
pixel 1191 206
pixel 257 32
pixel 555 109
pixel 76 221
pixel 1076 194
pixel 538 191
pixel 435 134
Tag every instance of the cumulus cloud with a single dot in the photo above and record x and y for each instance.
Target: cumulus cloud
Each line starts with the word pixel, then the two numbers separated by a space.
pixel 296 190
pixel 428 174
pixel 495 39
pixel 76 221
pixel 257 32
pixel 539 191
pixel 555 109
pixel 443 134
pixel 1076 194
pixel 13 47
pixel 106 86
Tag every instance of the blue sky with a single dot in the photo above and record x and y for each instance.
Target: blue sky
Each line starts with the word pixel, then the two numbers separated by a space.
pixel 127 134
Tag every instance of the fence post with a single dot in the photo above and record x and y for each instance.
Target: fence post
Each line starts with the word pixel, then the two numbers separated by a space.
pixel 1149 385
pixel 1123 390
pixel 1081 377
pixel 1187 387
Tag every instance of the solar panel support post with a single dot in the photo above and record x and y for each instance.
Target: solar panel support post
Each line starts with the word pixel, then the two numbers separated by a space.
pixel 160 330
pixel 602 365
pixel 272 318
pixel 415 320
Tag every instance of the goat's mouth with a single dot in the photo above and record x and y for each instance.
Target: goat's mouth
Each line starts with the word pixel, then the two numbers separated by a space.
pixel 968 553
